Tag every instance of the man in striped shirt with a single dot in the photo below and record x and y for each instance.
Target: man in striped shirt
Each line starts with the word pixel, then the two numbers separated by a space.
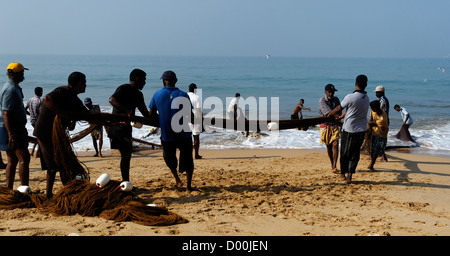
pixel 33 105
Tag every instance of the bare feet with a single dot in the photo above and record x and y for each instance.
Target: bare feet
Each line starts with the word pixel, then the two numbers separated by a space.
pixel 349 178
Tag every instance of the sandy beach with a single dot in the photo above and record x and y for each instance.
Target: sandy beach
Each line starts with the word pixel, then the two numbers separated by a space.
pixel 262 193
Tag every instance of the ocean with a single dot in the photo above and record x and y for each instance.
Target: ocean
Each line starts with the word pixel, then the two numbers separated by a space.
pixel 422 86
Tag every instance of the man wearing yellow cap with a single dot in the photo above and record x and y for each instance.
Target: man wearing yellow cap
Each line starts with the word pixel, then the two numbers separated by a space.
pixel 13 132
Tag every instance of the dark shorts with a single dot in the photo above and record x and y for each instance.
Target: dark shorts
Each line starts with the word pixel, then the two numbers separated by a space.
pixel 46 156
pixel 120 137
pixel 20 139
pixel 170 157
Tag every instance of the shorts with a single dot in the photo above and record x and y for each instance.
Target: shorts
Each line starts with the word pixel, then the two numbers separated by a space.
pixel 20 139
pixel 170 155
pixel 196 129
pixel 97 132
pixel 46 156
pixel 329 133
pixel 378 145
pixel 120 137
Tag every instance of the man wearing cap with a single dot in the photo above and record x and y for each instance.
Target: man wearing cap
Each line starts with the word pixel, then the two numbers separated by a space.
pixel 125 100
pixel 384 105
pixel 330 132
pixel 13 132
pixel 174 109
pixel 197 110
pixel 97 133
pixel 384 102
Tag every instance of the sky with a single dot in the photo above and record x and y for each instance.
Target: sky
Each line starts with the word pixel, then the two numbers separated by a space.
pixel 297 28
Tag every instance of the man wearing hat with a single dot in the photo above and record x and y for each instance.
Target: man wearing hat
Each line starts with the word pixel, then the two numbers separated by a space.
pixel 13 132
pixel 330 132
pixel 384 102
pixel 174 109
pixel 97 133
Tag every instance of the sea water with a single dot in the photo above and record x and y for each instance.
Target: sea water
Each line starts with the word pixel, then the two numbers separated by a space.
pixel 422 86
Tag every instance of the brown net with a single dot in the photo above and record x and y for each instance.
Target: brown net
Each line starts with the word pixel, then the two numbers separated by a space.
pixel 86 199
pixel 64 155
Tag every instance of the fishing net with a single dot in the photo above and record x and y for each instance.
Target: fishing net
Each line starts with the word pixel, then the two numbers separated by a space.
pixel 63 152
pixel 79 196
pixel 86 199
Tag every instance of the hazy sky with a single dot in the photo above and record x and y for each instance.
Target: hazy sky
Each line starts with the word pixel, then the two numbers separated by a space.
pixel 318 28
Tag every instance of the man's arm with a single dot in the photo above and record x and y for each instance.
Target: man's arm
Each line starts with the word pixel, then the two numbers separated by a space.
pixel 7 122
pixel 335 111
pixel 142 108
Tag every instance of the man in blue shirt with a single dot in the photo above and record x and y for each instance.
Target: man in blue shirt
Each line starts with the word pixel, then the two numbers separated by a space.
pixel 174 109
pixel 13 132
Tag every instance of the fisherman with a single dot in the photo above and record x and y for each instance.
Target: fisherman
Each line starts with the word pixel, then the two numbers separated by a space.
pixel 32 109
pixel 197 110
pixel 404 134
pixel 125 100
pixel 13 132
pixel 379 129
pixel 97 133
pixel 354 127
pixel 170 102
pixel 298 110
pixel 58 105
pixel 330 132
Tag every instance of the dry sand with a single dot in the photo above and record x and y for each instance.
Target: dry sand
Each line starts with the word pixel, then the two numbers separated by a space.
pixel 263 193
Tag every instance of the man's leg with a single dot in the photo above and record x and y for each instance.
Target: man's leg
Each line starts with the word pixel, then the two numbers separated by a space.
pixel 125 159
pixel 186 161
pixel 170 158
pixel 197 146
pixel 11 168
pixel 344 154
pixel 24 166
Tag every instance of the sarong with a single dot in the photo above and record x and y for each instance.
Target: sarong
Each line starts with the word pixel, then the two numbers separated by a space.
pixel 404 134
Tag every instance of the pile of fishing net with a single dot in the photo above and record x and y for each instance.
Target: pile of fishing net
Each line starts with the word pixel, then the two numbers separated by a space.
pixel 87 199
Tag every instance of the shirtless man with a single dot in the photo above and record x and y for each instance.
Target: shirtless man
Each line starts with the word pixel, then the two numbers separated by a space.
pixel 298 110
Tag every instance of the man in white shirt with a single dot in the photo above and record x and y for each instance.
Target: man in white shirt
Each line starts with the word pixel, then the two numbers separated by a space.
pixel 404 134
pixel 234 106
pixel 197 110
pixel 354 127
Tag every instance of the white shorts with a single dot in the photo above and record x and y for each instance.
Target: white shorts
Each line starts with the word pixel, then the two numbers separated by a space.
pixel 196 129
